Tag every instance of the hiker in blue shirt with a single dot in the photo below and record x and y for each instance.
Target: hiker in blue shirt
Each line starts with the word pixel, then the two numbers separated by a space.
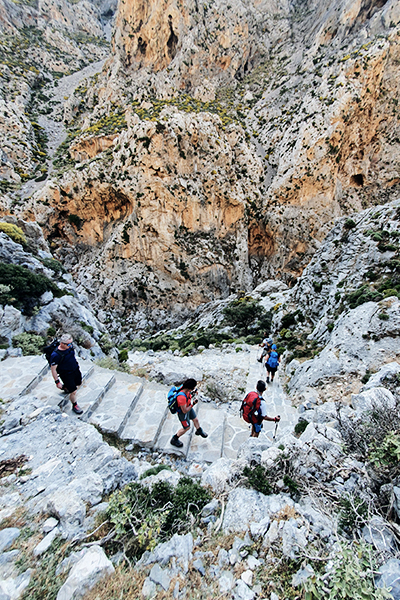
pixel 64 366
pixel 272 363
pixel 266 346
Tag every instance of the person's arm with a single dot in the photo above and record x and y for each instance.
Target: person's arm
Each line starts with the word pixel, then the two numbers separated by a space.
pixel 185 406
pixel 54 373
pixel 274 419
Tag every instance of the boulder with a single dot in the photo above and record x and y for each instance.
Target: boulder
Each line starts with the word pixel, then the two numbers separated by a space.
pixel 387 371
pixel 218 475
pixel 92 566
pixel 245 506
pixel 378 534
pixel 68 507
pixel 375 397
pixel 179 547
pixel 7 537
pixel 13 587
pixel 389 577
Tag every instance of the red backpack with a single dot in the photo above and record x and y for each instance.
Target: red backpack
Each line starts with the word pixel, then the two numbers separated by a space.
pixel 250 405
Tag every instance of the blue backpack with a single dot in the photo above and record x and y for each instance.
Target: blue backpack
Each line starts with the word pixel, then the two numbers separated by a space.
pixel 171 398
pixel 273 361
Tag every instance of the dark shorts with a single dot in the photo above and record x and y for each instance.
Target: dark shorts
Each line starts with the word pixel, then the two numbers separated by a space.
pixel 272 370
pixel 185 418
pixel 71 380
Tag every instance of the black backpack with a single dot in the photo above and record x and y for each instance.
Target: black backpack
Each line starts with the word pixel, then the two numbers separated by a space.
pixel 48 351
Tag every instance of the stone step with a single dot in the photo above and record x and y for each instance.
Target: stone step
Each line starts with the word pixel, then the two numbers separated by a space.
pixel 20 375
pixel 209 449
pixel 49 394
pixel 236 432
pixel 170 426
pixel 116 407
pixel 93 390
pixel 148 415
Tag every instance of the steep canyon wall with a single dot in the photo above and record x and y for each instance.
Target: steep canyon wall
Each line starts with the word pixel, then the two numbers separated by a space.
pixel 218 146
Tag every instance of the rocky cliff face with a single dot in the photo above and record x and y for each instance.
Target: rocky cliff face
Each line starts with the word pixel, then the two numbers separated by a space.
pixel 41 42
pixel 219 146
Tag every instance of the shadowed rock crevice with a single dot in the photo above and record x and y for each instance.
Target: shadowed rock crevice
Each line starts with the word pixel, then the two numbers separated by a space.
pixel 172 40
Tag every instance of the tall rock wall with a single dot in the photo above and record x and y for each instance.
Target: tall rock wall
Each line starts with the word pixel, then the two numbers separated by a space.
pixel 219 146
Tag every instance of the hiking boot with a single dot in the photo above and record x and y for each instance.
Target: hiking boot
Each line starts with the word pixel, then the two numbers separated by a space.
pixel 259 360
pixel 76 409
pixel 199 431
pixel 175 441
pixel 267 379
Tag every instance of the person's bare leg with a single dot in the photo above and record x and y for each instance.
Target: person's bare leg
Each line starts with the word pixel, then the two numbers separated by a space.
pixel 72 397
pixel 181 432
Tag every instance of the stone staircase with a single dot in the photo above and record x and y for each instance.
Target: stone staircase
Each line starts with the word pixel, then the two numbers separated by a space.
pixel 135 410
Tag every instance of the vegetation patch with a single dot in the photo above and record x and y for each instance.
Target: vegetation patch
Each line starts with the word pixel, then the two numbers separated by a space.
pixel 350 576
pixel 14 232
pixel 22 288
pixel 30 343
pixel 142 518
pixel 247 314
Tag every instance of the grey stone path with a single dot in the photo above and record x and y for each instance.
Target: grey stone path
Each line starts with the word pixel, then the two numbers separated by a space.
pixel 135 409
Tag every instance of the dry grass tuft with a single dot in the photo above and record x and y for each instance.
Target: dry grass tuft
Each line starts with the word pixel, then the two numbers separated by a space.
pixel 287 513
pixel 125 584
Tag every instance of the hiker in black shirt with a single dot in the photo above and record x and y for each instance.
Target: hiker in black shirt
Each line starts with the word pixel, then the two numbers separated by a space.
pixel 64 366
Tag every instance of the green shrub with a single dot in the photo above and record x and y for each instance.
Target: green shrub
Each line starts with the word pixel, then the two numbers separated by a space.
pixel 14 232
pixel 257 478
pixel 365 378
pixel 54 265
pixel 317 285
pixel 123 355
pixel 4 343
pixel 105 343
pixel 361 295
pixel 86 327
pixel 300 426
pixel 291 484
pixel 383 316
pixel 155 470
pixel 30 343
pixel 289 319
pixel 24 287
pixel 388 452
pixel 113 364
pixel 350 577
pixel 51 332
pixel 143 518
pixel 246 313
pixel 353 513
pixel 349 224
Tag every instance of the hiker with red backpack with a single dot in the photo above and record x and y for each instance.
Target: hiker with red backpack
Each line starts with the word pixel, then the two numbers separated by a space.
pixel 254 409
pixel 272 362
pixel 185 400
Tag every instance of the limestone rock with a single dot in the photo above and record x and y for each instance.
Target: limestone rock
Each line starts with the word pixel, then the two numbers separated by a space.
pixel 93 566
pixel 245 506
pixel 389 577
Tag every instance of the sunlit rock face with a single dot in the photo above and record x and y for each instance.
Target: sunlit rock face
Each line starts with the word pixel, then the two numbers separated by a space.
pixel 219 145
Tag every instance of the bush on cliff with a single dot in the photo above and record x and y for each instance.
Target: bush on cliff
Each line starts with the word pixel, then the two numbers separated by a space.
pixel 14 232
pixel 142 518
pixel 22 288
pixel 246 314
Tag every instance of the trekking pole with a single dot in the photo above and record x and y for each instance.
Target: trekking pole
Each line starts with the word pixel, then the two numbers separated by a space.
pixel 276 428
